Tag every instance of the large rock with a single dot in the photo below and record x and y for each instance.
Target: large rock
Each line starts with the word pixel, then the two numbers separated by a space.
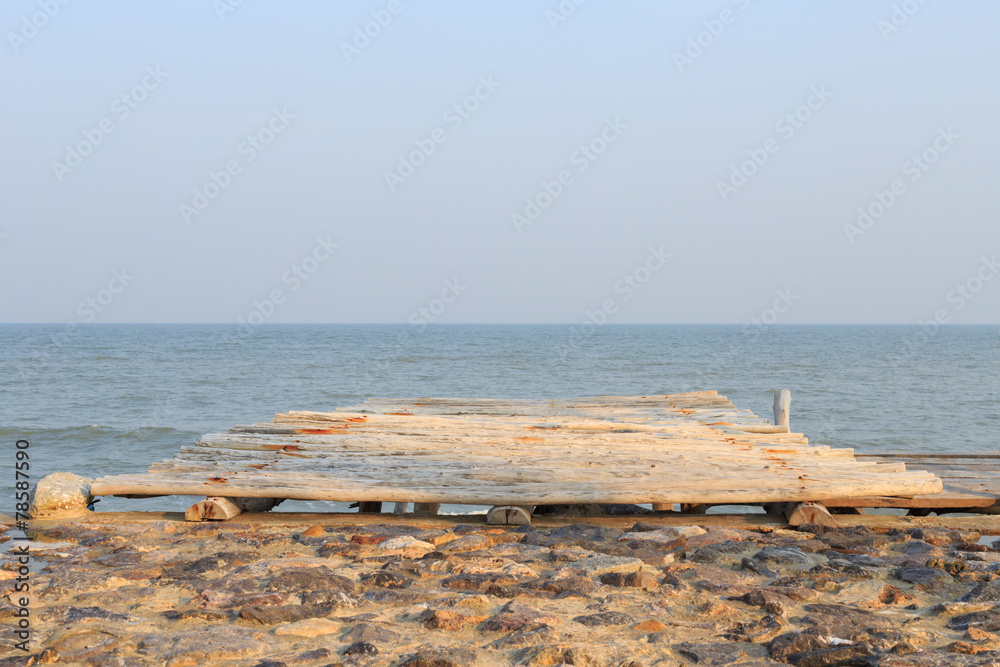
pixel 61 494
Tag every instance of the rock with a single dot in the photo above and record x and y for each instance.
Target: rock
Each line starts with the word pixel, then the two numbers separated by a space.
pixel 195 615
pixel 197 569
pixel 386 579
pixel 651 625
pixel 83 645
pixel 502 566
pixel 467 543
pixel 722 553
pixel 921 575
pixel 313 627
pixel 591 567
pixel 361 648
pixel 516 616
pixel 313 585
pixel 273 615
pixel 833 656
pixel 631 580
pixel 987 591
pixel 605 618
pixel 202 646
pixel 60 494
pixel 921 549
pixel 789 644
pixel 783 556
pixel 757 568
pixel 711 654
pixel 988 620
pixel 759 630
pixel 647 533
pixel 855 538
pixel 772 603
pixel 405 542
pixel 844 622
pixel 313 531
pixel 440 657
pixel 366 632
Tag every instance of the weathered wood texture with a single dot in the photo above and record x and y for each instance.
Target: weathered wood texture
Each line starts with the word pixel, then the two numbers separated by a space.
pixel 782 403
pixel 694 448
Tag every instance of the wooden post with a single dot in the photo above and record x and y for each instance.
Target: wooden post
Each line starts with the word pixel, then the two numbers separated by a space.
pixel 370 507
pixel 510 515
pixel 694 508
pixel 400 508
pixel 426 508
pixel 782 401
pixel 216 508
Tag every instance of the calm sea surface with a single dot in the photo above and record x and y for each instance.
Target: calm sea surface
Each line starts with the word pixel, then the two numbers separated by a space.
pixel 110 399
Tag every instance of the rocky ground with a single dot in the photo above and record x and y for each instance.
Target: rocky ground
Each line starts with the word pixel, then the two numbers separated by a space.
pixel 173 593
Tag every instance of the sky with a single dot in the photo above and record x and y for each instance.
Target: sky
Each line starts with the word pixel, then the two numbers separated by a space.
pixel 517 162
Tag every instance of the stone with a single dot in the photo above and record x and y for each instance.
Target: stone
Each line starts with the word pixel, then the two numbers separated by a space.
pixel 440 657
pixel 711 654
pixel 630 580
pixel 598 565
pixel 313 531
pixel 386 579
pixel 987 591
pixel 60 494
pixel 772 603
pixel 528 636
pixel 783 556
pixel 405 542
pixel 273 615
pixel 367 632
pixel 515 616
pixel 921 575
pixel 313 627
pixel 855 538
pixel 647 533
pixel 758 630
pixel 196 615
pixel 313 585
pixel 466 543
pixel 605 618
pixel 652 625
pixel 361 648
pixel 988 620
pixel 728 552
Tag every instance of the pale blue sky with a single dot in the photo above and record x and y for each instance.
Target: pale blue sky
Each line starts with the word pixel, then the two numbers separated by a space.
pixel 342 124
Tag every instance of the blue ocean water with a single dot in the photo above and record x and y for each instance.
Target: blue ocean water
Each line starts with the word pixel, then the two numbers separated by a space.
pixel 110 399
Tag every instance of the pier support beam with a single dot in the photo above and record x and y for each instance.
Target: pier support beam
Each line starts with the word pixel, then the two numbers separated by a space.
pixel 510 515
pixel 216 508
pixel 370 507
pixel 427 509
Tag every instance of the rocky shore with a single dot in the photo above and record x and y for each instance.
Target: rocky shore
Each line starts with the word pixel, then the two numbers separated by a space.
pixel 174 593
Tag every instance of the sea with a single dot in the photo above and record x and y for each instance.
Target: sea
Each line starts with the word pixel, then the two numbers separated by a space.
pixel 106 399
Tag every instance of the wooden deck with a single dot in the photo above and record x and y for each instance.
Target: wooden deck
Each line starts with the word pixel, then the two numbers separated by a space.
pixel 696 449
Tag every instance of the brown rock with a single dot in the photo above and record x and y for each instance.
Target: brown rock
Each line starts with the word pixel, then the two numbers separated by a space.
pixel 652 625
pixel 368 540
pixel 314 531
pixel 629 580
pixel 517 616
pixel 440 657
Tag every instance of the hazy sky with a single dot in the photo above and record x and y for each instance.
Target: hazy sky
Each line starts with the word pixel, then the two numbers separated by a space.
pixel 690 162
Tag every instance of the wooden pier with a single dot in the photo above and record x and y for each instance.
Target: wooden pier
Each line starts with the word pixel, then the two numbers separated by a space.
pixel 694 450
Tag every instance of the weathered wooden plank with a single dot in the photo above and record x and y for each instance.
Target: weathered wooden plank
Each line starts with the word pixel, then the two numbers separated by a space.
pixel 216 508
